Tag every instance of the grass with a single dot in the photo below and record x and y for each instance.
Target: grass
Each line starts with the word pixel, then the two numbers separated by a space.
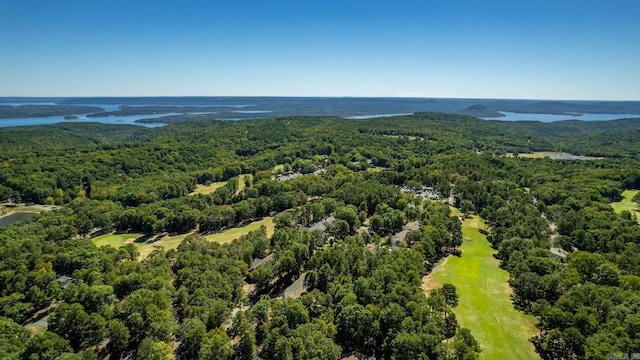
pixel 167 243
pixel 242 183
pixel 19 208
pixel 172 242
pixel 455 211
pixel 627 203
pixel 208 189
pixel 485 304
pixel 115 240
pixel 235 233
pixel 543 154
pixel 36 329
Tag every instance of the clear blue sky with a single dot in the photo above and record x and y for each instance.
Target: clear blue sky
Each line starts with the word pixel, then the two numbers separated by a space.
pixel 544 49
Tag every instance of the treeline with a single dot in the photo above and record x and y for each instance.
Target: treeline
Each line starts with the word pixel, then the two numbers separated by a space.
pixel 116 162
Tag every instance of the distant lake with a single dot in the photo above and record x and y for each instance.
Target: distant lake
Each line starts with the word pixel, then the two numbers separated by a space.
pixel 511 116
pixel 47 120
pixel 359 117
pixel 15 217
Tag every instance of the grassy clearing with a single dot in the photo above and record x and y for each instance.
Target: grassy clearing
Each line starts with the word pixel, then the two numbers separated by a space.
pixel 208 189
pixel 115 240
pixel 20 208
pixel 538 154
pixel 172 242
pixel 242 182
pixel 235 233
pixel 485 305
pixel 145 248
pixel 551 154
pixel 455 211
pixel 167 243
pixel 36 329
pixel 627 203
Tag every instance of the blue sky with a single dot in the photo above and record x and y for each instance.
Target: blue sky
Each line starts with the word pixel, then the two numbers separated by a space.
pixel 483 49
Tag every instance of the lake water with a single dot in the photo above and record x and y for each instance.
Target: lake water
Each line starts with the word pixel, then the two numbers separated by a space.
pixel 131 120
pixel 127 120
pixel 511 116
pixel 47 120
pixel 15 217
pixel 361 117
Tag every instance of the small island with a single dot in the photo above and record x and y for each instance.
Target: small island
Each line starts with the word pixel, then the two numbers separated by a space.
pixel 71 117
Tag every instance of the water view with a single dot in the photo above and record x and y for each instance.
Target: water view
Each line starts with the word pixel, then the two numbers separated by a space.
pixel 48 120
pixel 512 116
pixel 13 218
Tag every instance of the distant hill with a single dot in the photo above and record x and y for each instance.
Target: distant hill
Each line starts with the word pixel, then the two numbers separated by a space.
pixel 480 111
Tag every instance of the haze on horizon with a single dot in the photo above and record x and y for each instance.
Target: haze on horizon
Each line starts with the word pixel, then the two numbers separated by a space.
pixel 579 50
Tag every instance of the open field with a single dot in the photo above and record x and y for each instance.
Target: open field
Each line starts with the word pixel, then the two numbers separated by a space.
pixel 485 305
pixel 167 243
pixel 556 155
pixel 236 233
pixel 172 242
pixel 115 239
pixel 242 183
pixel 455 211
pixel 36 329
pixel 208 189
pixel 627 203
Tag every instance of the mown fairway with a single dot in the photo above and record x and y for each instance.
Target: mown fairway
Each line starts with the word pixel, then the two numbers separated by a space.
pixel 236 233
pixel 485 305
pixel 115 240
pixel 627 203
pixel 172 242
pixel 208 189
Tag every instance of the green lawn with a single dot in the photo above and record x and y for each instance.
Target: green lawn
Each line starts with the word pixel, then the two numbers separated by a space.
pixel 242 182
pixel 172 242
pixel 627 203
pixel 236 233
pixel 455 211
pixel 36 329
pixel 485 305
pixel 145 248
pixel 114 240
pixel 208 189
pixel 167 243
pixel 544 154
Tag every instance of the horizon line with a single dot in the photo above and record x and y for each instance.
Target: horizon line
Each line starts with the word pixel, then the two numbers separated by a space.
pixel 313 97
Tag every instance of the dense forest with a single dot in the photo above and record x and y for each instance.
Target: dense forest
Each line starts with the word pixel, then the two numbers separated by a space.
pixel 362 290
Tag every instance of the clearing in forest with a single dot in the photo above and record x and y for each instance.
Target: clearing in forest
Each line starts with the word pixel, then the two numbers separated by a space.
pixel 172 242
pixel 627 204
pixel 485 305
pixel 556 155
pixel 208 189
pixel 211 188
pixel 235 233
pixel 115 240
